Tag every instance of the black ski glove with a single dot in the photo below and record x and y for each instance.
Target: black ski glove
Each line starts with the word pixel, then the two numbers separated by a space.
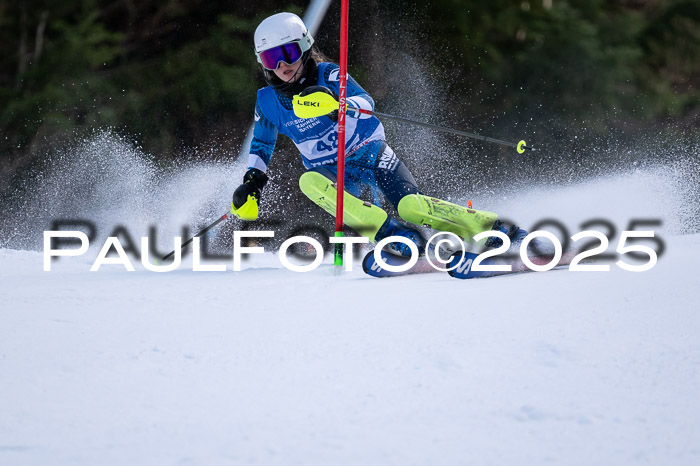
pixel 253 182
pixel 249 193
pixel 311 89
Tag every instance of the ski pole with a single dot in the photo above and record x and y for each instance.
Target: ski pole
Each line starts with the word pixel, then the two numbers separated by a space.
pixel 520 146
pixel 320 103
pixel 219 220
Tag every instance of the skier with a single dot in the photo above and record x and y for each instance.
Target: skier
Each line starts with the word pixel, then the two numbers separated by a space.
pixel 293 66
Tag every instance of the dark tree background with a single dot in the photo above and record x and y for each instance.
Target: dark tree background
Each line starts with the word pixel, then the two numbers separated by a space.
pixel 178 75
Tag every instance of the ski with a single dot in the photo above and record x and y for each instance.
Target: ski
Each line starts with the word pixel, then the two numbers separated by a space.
pixel 461 266
pixel 373 268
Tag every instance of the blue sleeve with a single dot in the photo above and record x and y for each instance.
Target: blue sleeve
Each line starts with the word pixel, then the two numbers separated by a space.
pixel 354 88
pixel 264 140
pixel 357 97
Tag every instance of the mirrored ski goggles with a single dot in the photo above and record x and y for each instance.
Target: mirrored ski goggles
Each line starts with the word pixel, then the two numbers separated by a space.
pixel 289 53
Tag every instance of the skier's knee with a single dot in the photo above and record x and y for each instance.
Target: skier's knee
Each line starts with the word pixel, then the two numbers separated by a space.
pixel 405 207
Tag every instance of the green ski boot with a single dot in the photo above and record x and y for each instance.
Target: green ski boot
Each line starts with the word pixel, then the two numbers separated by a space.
pixel 445 216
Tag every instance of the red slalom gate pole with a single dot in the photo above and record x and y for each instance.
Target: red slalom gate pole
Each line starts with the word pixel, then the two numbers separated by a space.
pixel 342 97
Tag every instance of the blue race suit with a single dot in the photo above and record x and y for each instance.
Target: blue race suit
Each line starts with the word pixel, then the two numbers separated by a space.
pixel 369 163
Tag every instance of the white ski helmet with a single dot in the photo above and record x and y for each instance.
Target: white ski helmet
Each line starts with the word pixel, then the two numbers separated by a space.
pixel 280 29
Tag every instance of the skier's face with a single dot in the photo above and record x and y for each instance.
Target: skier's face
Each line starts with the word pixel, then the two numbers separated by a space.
pixel 289 73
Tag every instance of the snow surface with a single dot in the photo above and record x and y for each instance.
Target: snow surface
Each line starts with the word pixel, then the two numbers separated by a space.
pixel 267 366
